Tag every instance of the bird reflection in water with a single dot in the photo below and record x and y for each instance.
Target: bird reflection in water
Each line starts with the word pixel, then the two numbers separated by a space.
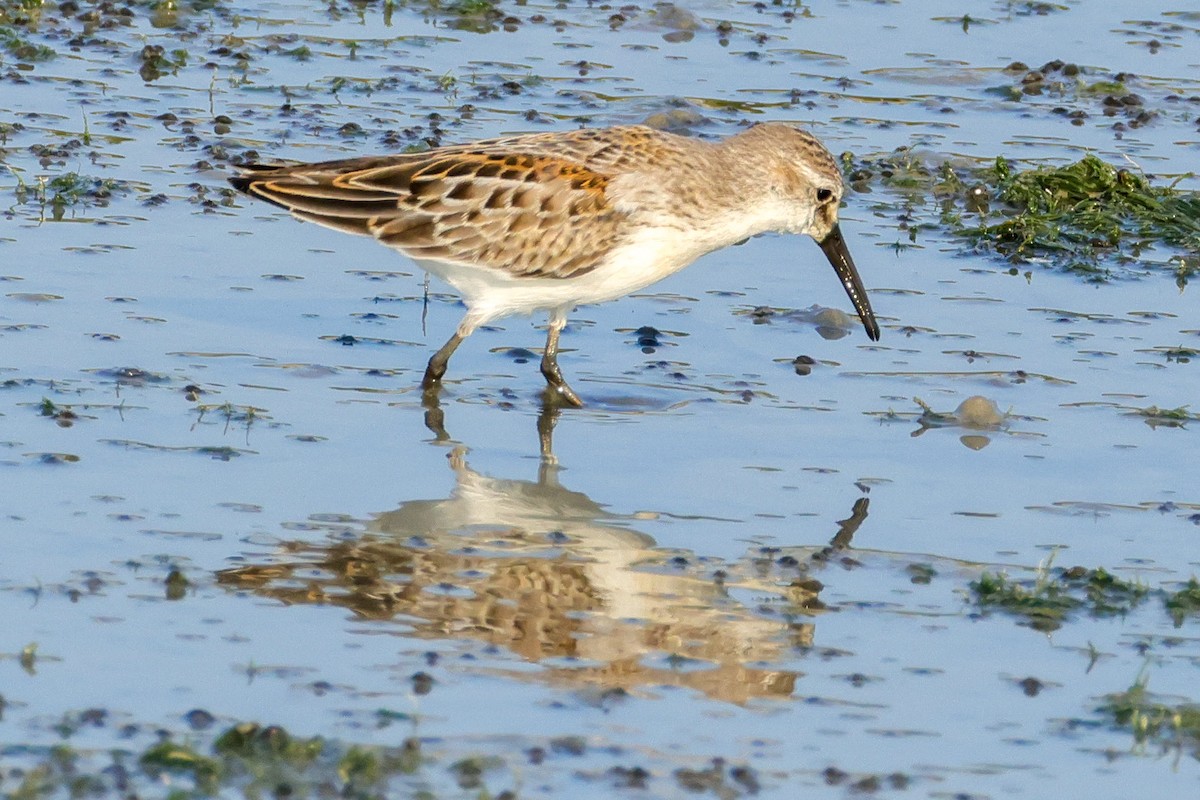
pixel 551 575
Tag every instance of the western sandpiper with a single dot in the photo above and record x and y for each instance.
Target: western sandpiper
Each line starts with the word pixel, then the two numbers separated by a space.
pixel 549 221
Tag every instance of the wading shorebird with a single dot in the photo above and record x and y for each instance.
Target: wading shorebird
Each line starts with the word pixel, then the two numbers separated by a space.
pixel 550 221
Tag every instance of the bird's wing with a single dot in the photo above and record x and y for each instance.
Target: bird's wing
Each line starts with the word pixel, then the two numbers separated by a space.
pixel 527 206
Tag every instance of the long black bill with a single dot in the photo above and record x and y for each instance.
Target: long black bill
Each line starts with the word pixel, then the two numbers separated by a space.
pixel 834 247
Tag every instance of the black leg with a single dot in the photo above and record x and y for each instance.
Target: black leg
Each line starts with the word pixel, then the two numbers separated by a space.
pixel 437 364
pixel 558 389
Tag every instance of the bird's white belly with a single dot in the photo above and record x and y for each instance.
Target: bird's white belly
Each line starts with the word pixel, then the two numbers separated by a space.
pixel 491 293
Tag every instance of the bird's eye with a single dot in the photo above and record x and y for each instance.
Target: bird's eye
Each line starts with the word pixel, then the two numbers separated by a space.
pixel 823 195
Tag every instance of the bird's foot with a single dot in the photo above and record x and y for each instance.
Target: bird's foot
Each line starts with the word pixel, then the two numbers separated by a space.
pixel 561 394
pixel 432 381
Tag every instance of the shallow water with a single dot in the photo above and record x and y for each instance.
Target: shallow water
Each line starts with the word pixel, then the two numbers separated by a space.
pixel 724 558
